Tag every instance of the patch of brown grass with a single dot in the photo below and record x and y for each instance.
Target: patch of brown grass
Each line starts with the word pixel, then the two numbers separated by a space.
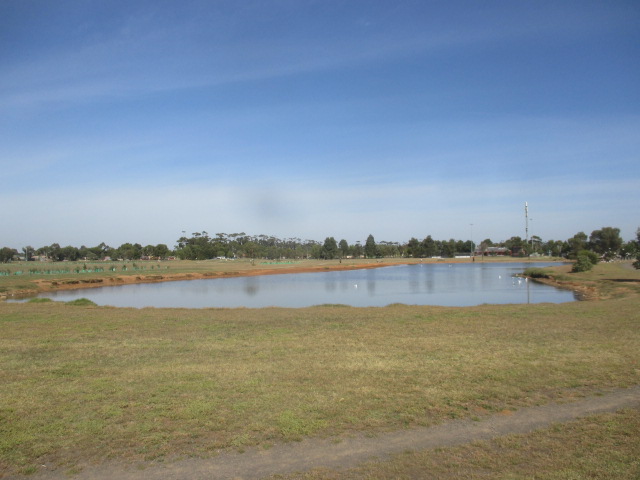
pixel 598 447
pixel 98 382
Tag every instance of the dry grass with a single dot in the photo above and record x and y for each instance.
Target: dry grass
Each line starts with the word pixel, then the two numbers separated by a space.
pixel 606 280
pixel 89 383
pixel 598 447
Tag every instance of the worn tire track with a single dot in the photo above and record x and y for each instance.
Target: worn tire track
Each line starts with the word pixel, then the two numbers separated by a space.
pixel 348 452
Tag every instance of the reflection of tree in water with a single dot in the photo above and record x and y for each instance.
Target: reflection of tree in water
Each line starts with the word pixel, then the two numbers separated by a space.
pixel 251 286
pixel 414 279
pixel 371 281
pixel 331 285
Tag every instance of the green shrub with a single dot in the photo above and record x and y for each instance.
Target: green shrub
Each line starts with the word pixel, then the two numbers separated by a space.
pixel 81 302
pixel 583 264
pixel 39 300
pixel 593 257
pixel 535 272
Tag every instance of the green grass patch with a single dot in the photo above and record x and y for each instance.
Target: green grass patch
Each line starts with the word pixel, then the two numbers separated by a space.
pixel 81 302
pixel 39 300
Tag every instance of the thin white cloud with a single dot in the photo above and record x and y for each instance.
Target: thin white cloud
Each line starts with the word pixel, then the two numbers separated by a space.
pixel 143 57
pixel 394 212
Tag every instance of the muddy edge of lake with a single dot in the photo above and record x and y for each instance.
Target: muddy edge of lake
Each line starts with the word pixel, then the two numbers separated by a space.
pixel 57 284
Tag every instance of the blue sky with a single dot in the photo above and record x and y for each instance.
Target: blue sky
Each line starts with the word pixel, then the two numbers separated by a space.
pixel 133 121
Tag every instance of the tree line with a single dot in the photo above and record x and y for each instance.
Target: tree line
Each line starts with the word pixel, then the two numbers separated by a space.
pixel 605 242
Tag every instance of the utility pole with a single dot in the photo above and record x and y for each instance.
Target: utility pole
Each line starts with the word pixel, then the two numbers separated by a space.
pixel 526 222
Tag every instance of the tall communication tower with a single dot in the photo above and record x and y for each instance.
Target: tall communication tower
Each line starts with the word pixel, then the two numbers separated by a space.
pixel 526 222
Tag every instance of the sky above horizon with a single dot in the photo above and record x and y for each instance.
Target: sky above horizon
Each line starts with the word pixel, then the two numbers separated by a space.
pixel 135 121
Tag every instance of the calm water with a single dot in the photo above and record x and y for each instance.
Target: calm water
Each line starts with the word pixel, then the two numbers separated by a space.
pixel 461 284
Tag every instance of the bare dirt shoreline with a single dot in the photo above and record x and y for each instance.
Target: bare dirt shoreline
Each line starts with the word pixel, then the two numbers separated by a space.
pixel 57 284
pixel 173 277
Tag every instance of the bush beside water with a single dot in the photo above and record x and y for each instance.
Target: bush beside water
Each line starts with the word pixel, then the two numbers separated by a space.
pixel 536 272
pixel 585 261
pixel 82 302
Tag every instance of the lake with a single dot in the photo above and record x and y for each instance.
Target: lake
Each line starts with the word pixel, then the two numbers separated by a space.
pixel 460 284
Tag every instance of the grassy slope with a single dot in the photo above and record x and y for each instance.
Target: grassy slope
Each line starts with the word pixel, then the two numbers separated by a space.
pixel 95 382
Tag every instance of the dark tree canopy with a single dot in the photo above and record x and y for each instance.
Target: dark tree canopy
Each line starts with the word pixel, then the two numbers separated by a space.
pixel 330 248
pixel 370 248
pixel 201 246
pixel 606 241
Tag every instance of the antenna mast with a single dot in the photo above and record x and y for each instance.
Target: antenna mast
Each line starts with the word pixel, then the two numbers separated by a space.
pixel 526 221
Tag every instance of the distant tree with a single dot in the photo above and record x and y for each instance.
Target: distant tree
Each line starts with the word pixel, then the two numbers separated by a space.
pixel 606 241
pixel 414 248
pixel 429 247
pixel 514 242
pixel 103 250
pixel 69 253
pixel 53 252
pixel 28 252
pixel 536 243
pixel 449 248
pixel 87 253
pixel 636 264
pixel 185 253
pixel 344 248
pixel 629 249
pixel 370 248
pixel 314 249
pixel 7 254
pixel 550 247
pixel 128 251
pixel 577 243
pixel 330 248
pixel 357 250
pixel 161 251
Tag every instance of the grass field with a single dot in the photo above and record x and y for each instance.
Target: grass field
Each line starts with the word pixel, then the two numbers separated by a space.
pixel 600 447
pixel 86 384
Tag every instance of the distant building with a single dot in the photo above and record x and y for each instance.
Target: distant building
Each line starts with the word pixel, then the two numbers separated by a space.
pixel 494 252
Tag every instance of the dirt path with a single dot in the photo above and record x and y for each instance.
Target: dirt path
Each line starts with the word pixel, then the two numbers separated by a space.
pixel 351 451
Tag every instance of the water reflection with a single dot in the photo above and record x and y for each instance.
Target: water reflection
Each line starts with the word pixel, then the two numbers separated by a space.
pixel 371 280
pixel 422 284
pixel 251 286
